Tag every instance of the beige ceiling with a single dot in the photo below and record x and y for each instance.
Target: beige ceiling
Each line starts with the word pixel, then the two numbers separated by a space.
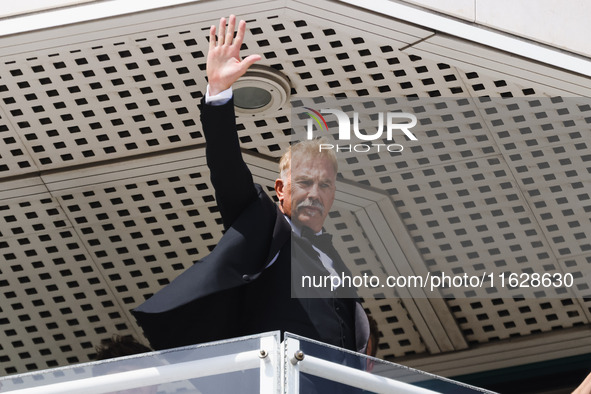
pixel 105 196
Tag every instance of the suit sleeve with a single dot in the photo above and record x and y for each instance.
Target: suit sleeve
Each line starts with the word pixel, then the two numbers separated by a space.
pixel 230 176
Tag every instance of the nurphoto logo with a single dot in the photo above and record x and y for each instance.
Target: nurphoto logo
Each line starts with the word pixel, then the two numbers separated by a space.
pixel 389 124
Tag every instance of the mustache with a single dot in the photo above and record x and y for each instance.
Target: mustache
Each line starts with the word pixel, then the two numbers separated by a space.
pixel 311 204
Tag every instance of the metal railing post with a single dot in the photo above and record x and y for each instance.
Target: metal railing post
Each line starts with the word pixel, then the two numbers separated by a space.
pixel 291 367
pixel 270 366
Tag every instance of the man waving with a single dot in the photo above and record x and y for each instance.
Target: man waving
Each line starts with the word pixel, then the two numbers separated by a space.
pixel 245 285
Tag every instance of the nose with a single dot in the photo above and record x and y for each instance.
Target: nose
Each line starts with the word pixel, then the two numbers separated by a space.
pixel 314 191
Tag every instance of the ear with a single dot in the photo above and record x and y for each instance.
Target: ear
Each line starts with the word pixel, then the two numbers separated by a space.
pixel 280 190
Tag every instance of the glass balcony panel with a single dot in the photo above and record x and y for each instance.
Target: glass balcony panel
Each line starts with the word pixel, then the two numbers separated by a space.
pixel 403 378
pixel 232 366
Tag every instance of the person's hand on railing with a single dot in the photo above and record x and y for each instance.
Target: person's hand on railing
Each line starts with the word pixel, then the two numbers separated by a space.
pixel 585 387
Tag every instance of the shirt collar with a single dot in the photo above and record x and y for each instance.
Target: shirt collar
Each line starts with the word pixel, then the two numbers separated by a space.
pixel 297 229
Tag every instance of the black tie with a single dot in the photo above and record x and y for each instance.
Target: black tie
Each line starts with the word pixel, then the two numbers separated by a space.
pixel 322 241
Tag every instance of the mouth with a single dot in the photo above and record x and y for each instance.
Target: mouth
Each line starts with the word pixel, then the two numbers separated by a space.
pixel 310 211
pixel 310 208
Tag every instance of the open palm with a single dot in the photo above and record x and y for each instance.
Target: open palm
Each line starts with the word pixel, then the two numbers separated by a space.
pixel 224 65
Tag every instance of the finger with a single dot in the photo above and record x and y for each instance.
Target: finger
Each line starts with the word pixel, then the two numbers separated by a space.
pixel 211 37
pixel 249 61
pixel 240 35
pixel 221 32
pixel 585 386
pixel 230 30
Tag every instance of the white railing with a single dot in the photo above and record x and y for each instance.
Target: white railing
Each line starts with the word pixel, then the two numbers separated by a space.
pixel 271 367
pixel 356 378
pixel 151 376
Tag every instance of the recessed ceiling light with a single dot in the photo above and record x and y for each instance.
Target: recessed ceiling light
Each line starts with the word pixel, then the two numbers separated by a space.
pixel 261 89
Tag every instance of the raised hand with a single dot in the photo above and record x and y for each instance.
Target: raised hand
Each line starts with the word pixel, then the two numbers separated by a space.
pixel 224 65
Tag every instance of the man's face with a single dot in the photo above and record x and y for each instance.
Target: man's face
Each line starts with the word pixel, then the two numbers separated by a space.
pixel 307 193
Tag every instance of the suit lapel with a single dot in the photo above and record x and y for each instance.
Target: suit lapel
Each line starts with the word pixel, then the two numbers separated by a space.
pixel 281 236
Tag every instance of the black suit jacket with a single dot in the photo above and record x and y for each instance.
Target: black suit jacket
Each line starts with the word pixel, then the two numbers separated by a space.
pixel 232 291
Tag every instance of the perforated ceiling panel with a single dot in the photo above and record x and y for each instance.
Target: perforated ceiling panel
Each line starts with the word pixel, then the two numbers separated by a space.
pixel 56 301
pixel 105 196
pixel 504 207
pixel 399 336
pixel 104 100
